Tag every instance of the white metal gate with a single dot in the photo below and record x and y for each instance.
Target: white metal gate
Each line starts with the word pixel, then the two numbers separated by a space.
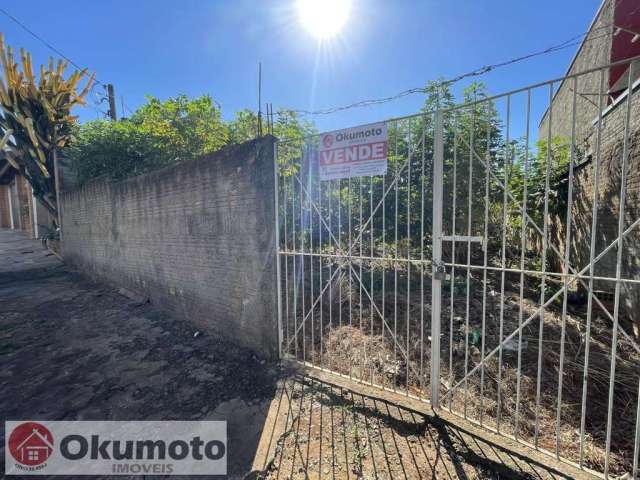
pixel 494 271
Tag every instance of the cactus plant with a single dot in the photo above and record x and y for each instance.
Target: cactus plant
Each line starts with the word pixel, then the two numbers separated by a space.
pixel 36 117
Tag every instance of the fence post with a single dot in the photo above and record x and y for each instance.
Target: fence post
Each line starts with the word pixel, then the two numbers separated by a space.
pixel 437 272
pixel 276 187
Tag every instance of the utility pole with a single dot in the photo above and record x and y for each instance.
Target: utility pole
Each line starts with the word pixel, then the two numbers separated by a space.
pixel 112 103
pixel 260 99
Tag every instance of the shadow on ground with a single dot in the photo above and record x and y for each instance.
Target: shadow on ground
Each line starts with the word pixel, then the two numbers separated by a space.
pixel 324 430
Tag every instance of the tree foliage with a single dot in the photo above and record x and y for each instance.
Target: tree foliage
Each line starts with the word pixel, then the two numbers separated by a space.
pixel 186 128
pixel 161 133
pixel 158 134
pixel 37 113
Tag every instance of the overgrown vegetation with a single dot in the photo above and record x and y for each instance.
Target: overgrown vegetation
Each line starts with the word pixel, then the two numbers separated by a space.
pixel 161 133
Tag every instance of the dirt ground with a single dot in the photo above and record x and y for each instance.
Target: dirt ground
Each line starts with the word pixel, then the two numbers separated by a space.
pixel 71 349
pixel 327 430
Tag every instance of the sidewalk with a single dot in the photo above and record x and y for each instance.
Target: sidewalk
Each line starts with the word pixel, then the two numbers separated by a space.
pixel 71 349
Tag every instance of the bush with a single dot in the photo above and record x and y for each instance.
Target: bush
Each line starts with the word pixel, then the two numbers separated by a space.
pixel 158 134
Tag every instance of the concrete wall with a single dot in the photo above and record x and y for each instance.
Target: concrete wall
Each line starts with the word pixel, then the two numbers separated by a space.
pixel 198 238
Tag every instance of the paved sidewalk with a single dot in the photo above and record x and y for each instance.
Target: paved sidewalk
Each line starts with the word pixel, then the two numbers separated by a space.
pixel 71 349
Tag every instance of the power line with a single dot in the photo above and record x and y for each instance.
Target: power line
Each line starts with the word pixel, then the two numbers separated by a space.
pixel 571 42
pixel 98 100
pixel 44 42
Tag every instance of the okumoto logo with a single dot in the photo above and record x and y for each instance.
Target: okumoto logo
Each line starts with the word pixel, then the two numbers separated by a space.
pixel 116 448
pixel 30 445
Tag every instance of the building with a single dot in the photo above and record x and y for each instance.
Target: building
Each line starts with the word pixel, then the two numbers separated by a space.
pixel 19 209
pixel 602 94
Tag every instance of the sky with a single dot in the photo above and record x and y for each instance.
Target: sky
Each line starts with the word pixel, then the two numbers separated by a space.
pixel 164 48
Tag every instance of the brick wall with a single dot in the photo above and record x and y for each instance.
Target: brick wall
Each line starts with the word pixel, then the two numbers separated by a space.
pixel 198 238
pixel 593 54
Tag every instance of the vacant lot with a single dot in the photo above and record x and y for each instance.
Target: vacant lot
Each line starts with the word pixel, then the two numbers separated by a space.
pixel 74 350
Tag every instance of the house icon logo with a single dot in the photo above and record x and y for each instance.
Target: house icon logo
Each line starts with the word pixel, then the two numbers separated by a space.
pixel 31 444
pixel 327 141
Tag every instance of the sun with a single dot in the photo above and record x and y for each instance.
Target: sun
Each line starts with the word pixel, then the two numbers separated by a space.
pixel 323 18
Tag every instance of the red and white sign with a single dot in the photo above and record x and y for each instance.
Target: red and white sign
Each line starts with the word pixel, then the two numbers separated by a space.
pixel 353 152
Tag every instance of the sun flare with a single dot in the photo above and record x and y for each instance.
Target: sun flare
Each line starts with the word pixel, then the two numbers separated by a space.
pixel 323 18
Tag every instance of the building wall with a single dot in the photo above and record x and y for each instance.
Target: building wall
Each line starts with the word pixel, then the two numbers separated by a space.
pixel 5 220
pixel 594 52
pixel 15 204
pixel 612 128
pixel 198 238
pixel 25 205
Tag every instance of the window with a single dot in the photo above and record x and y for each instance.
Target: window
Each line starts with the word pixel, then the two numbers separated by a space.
pixel 33 455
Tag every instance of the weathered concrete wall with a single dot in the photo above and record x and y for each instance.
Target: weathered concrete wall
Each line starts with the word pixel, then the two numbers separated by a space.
pixel 198 238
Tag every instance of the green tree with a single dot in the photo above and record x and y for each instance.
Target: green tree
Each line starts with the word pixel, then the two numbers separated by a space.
pixel 157 134
pixel 188 128
pixel 116 149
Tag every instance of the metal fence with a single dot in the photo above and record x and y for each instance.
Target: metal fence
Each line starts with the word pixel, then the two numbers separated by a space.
pixel 493 271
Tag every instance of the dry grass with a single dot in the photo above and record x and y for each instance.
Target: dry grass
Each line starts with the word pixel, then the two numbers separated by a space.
pixel 362 348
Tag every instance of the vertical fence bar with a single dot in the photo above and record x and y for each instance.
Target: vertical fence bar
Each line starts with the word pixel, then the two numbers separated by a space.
pixel 523 247
pixel 384 252
pixel 371 268
pixel 487 171
pixel 409 157
pixel 276 187
pixel 286 259
pixel 436 282
pixel 302 262
pixel 636 442
pixel 469 226
pixel 616 303
pixel 503 260
pixel 454 189
pixel 567 255
pixel 395 269
pixel 342 260
pixel 360 281
pixel 331 260
pixel 311 258
pixel 592 248
pixel 424 147
pixel 320 263
pixel 350 262
pixel 295 265
pixel 545 235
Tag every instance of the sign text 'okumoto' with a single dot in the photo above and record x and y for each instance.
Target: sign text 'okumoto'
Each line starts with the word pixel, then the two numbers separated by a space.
pixel 353 152
pixel 115 448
